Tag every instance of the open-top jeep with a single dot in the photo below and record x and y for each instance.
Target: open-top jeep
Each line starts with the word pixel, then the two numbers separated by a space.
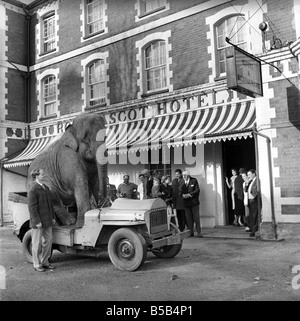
pixel 128 230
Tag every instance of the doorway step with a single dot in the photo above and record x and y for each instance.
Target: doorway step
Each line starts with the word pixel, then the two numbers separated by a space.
pixel 227 232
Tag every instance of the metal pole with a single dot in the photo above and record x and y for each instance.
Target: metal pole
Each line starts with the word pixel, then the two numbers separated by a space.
pixel 1 193
pixel 268 140
pixel 257 179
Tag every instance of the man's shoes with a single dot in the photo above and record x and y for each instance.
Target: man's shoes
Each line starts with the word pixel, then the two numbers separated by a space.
pixel 252 234
pixel 200 235
pixel 247 229
pixel 40 269
pixel 192 234
pixel 49 267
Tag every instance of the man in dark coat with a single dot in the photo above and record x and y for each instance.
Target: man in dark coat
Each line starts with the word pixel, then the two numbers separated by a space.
pixel 190 192
pixel 42 218
pixel 111 190
pixel 178 202
pixel 148 183
pixel 252 192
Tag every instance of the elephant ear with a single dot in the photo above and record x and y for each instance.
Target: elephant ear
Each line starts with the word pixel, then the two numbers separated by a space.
pixel 69 139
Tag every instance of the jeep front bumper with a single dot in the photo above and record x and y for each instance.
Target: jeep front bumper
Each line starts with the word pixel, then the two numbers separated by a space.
pixel 170 240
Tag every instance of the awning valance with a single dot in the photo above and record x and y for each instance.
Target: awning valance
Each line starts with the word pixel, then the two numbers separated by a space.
pixel 204 125
pixel 33 148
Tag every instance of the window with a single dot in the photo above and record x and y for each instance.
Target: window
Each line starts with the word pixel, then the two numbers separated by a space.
pixel 147 8
pixel 49 96
pixel 94 16
pixel 96 83
pixel 233 27
pixel 48 33
pixel 155 66
pixel 151 5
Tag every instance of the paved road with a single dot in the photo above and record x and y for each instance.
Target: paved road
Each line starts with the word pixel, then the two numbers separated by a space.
pixel 205 269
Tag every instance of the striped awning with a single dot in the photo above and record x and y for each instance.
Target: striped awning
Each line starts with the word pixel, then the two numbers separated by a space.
pixel 208 124
pixel 33 148
pixel 203 125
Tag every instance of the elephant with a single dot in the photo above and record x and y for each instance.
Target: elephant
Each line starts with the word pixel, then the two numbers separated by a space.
pixel 74 168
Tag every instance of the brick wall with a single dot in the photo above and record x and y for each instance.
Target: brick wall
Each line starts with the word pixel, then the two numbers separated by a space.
pixel 288 137
pixel 280 18
pixel 17 35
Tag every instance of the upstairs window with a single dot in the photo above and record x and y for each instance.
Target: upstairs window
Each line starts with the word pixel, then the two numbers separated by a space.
pixel 48 33
pixel 234 28
pixel 94 16
pixel 151 5
pixel 147 8
pixel 96 83
pixel 156 66
pixel 49 96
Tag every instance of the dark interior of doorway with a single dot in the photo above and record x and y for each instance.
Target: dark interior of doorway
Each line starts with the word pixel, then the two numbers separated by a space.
pixel 236 154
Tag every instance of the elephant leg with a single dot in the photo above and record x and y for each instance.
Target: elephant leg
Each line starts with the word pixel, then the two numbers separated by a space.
pixel 60 211
pixel 82 202
pixel 63 215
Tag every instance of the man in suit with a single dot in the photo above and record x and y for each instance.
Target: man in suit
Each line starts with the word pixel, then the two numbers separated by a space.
pixel 42 218
pixel 190 192
pixel 148 183
pixel 251 188
pixel 178 202
pixel 111 190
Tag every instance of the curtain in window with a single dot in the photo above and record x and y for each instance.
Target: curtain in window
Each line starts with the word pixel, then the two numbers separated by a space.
pixel 96 83
pixel 49 33
pixel 231 27
pixel 49 94
pixel 152 4
pixel 155 66
pixel 95 15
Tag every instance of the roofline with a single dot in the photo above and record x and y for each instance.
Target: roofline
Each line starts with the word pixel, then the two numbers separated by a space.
pixel 23 5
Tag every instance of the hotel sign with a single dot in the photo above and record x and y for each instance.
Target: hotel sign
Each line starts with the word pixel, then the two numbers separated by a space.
pixel 244 73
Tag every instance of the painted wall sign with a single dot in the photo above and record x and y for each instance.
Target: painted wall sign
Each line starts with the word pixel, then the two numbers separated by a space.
pixel 171 106
pixel 244 73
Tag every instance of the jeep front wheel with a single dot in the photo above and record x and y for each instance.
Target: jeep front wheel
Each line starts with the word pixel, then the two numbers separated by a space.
pixel 127 249
pixel 27 246
pixel 167 251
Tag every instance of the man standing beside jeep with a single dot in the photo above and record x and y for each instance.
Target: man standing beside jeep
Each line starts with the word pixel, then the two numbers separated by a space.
pixel 127 189
pixel 42 218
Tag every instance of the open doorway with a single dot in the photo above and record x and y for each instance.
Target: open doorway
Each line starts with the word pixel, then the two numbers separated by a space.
pixel 236 154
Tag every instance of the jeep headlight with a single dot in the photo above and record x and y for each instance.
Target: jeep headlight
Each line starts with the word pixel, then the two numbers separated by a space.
pixel 139 216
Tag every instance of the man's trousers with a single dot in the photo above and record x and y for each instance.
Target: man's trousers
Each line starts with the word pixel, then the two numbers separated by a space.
pixel 253 217
pixel 41 239
pixel 193 217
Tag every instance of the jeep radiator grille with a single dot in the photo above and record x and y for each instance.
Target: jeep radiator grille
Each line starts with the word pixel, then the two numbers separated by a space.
pixel 158 221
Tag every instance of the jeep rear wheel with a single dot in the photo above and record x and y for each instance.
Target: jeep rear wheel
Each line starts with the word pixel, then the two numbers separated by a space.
pixel 127 249
pixel 168 251
pixel 27 246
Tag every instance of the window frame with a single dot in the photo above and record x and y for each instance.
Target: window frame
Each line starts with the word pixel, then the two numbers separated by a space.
pixel 102 83
pixel 147 90
pixel 102 8
pixel 143 13
pixel 52 40
pixel 219 74
pixel 44 97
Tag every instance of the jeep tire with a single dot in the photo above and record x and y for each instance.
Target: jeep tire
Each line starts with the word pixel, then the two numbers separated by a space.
pixel 168 251
pixel 127 249
pixel 26 246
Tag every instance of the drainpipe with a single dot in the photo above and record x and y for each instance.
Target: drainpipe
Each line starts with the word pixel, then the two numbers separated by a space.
pixel 268 140
pixel 27 77
pixel 1 190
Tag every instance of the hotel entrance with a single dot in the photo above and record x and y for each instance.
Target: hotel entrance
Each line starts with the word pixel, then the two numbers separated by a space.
pixel 236 154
